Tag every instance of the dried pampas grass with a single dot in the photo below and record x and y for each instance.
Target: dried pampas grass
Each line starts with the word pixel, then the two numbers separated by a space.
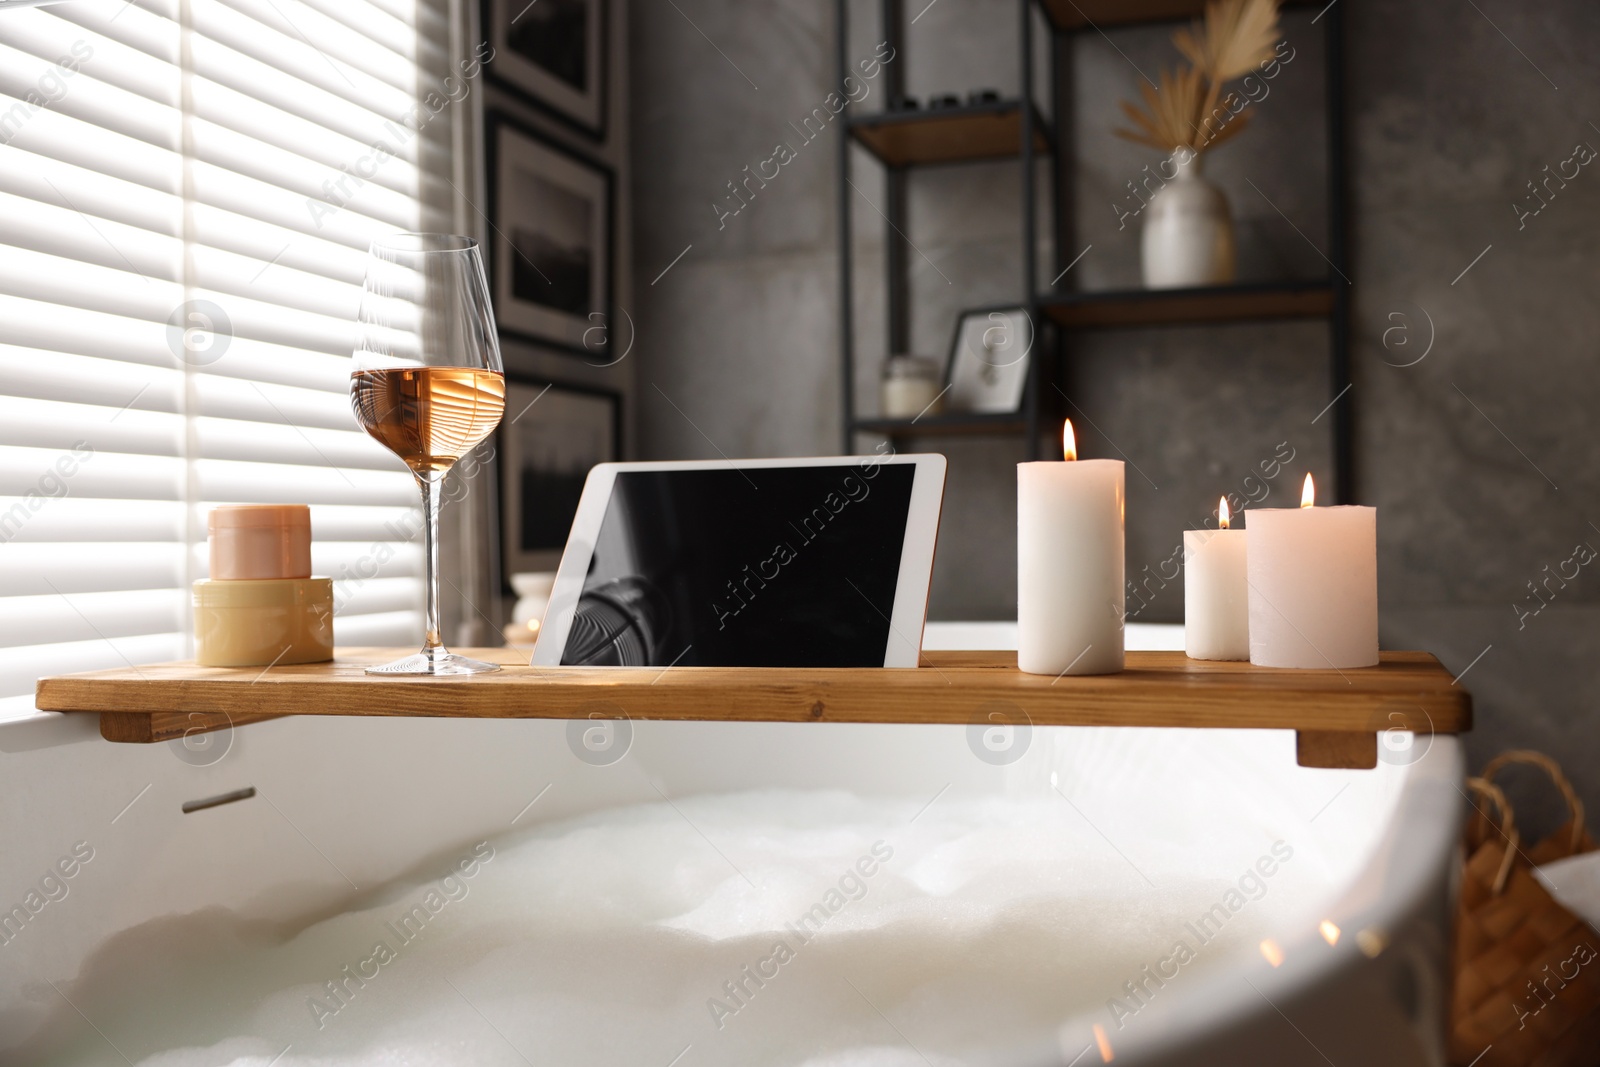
pixel 1187 110
pixel 1235 37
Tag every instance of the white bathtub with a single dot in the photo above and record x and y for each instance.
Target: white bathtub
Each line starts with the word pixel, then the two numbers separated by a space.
pixel 361 801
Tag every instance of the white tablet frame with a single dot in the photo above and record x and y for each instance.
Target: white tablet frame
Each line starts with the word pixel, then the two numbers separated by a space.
pixel 904 645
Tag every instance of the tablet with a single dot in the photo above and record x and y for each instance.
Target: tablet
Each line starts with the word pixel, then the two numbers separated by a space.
pixel 748 563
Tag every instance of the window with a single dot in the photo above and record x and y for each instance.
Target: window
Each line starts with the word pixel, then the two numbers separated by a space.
pixel 187 190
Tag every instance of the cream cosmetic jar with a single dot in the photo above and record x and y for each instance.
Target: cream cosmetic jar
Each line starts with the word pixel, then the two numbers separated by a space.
pixel 260 541
pixel 261 606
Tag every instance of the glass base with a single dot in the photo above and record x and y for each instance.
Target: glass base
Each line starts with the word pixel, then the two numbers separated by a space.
pixel 435 661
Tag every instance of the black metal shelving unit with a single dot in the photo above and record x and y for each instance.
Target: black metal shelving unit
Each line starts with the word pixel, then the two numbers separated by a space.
pixel 1022 129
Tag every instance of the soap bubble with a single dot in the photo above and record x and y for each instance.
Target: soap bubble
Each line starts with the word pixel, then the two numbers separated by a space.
pixel 603 736
pixel 1000 733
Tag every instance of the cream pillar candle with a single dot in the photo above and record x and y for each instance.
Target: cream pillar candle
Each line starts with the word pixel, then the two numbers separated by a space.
pixel 1070 564
pixel 1216 605
pixel 1313 585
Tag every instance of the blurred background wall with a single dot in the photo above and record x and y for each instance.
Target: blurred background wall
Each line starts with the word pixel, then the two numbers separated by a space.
pixel 1481 456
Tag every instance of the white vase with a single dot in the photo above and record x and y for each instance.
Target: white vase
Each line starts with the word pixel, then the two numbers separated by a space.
pixel 1188 230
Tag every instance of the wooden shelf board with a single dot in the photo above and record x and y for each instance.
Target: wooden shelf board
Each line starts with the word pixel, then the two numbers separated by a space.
pixel 1173 307
pixel 1105 14
pixel 955 423
pixel 945 135
pixel 1084 14
pixel 1336 713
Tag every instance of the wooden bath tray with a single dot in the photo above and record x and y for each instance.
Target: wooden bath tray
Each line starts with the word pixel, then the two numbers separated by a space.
pixel 1336 715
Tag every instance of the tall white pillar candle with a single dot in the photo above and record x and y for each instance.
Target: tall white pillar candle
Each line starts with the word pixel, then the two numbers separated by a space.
pixel 1313 586
pixel 1070 565
pixel 1216 604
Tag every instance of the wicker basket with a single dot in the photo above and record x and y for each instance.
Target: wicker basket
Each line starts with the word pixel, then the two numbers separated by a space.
pixel 1527 970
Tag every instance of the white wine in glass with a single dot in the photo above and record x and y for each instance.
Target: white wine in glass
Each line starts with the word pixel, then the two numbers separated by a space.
pixel 428 416
pixel 428 384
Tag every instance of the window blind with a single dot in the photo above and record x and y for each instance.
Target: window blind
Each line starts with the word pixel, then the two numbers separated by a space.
pixel 187 192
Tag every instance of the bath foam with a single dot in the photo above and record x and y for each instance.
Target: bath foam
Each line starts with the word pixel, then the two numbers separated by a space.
pixel 803 928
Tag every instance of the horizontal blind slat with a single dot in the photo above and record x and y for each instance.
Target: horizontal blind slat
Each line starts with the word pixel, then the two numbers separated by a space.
pixel 232 86
pixel 397 629
pixel 140 106
pixel 61 617
pixel 270 483
pixel 221 174
pixel 35 569
pixel 30 323
pixel 251 399
pixel 24 665
pixel 405 29
pixel 65 427
pixel 79 519
pixel 47 180
pixel 106 383
pixel 319 51
pixel 111 475
pixel 99 278
pixel 271 249
pixel 395 592
pixel 235 439
pixel 295 152
pixel 73 521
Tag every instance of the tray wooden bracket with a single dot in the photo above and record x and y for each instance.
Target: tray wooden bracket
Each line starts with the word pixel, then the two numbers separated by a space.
pixel 1335 748
pixel 149 727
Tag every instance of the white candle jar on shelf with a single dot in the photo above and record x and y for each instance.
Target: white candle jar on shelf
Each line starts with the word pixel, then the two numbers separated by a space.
pixel 911 387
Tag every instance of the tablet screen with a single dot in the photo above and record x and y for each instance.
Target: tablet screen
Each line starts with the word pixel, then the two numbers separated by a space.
pixel 759 567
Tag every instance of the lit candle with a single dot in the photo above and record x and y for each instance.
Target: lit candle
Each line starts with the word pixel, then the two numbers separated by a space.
pixel 1313 585
pixel 1070 564
pixel 1216 607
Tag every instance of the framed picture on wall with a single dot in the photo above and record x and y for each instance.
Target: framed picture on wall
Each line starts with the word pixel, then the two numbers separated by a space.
pixel 553 55
pixel 551 435
pixel 550 239
pixel 988 368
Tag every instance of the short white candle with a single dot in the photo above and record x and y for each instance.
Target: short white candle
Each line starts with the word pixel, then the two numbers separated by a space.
pixel 1216 604
pixel 1313 585
pixel 1070 564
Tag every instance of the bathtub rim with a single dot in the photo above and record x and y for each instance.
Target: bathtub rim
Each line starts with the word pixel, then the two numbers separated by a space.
pixel 1411 860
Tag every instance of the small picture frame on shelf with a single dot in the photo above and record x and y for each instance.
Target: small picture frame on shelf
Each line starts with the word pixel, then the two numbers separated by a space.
pixel 553 55
pixel 989 358
pixel 550 239
pixel 552 434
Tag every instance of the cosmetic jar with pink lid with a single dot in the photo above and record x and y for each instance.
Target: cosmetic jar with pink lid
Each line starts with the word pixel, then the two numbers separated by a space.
pixel 261 606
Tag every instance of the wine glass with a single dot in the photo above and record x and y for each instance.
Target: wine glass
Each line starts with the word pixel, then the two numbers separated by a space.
pixel 428 383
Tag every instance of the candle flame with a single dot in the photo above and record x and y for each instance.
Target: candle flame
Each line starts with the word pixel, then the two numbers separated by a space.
pixel 1308 494
pixel 1069 441
pixel 1272 953
pixel 1222 513
pixel 1330 932
pixel 1103 1044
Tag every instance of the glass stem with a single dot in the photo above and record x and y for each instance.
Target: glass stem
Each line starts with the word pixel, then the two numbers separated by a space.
pixel 431 484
